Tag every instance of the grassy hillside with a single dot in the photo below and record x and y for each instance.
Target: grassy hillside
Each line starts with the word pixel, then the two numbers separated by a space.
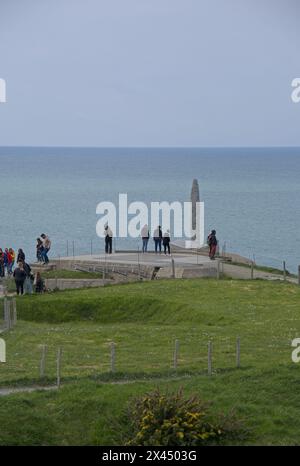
pixel 143 320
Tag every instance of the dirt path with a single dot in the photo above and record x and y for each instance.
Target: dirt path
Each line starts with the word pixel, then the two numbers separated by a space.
pixel 244 273
pixel 10 391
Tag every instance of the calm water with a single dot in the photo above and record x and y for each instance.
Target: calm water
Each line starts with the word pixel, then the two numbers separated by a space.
pixel 252 196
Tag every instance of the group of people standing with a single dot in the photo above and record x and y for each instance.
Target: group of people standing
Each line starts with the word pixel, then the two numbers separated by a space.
pixel 7 261
pixel 25 280
pixel 22 275
pixel 43 246
pixel 159 239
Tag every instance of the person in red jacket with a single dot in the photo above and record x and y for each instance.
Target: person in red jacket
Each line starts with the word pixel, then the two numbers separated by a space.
pixel 8 261
pixel 212 243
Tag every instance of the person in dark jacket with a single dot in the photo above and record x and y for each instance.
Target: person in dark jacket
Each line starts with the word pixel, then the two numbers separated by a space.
pixel 29 279
pixel 20 276
pixel 21 256
pixel 166 242
pixel 212 243
pixel 157 236
pixel 39 285
pixel 39 250
pixel 108 239
pixel 2 266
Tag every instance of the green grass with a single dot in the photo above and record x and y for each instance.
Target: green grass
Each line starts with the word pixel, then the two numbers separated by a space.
pixel 143 320
pixel 88 413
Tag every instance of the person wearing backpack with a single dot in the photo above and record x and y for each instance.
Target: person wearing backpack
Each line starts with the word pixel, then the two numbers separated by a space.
pixel 212 243
pixel 29 278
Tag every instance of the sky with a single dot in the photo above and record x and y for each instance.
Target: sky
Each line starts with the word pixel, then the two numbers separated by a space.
pixel 149 72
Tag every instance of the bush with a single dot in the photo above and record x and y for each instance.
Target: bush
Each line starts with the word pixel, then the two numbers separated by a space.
pixel 158 419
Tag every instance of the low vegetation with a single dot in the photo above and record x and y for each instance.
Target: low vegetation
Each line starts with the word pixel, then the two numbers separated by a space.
pixel 143 320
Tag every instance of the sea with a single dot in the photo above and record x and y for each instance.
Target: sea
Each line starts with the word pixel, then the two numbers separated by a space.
pixel 251 195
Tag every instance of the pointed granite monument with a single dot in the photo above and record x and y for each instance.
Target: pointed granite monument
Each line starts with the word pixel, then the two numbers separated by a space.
pixel 197 218
pixel 195 197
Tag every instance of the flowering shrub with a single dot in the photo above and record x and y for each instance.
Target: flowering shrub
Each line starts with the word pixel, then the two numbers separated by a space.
pixel 170 419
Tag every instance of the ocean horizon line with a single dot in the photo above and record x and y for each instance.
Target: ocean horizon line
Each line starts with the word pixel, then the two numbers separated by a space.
pixel 148 147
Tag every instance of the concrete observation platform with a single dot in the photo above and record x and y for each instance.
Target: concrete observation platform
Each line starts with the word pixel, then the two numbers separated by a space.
pixel 147 265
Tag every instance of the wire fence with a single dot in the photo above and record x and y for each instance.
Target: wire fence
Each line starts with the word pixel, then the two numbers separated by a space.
pixel 55 353
pixel 65 361
pixel 260 259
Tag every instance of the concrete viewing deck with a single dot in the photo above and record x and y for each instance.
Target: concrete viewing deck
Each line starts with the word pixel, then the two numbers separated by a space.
pixel 147 259
pixel 148 265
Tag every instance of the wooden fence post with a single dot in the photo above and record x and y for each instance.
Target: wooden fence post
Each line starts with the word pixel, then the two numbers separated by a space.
pixel 209 358
pixel 58 366
pixel 299 275
pixel 139 265
pixel 284 271
pixel 252 270
pixel 7 316
pixel 43 361
pixel 14 304
pixel 238 352
pixel 5 287
pixel 9 307
pixel 173 268
pixel 176 353
pixel 112 357
pixel 5 313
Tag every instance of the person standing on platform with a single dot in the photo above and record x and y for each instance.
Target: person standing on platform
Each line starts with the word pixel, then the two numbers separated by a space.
pixel 46 247
pixel 166 242
pixel 212 243
pixel 108 239
pixel 145 237
pixel 157 236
